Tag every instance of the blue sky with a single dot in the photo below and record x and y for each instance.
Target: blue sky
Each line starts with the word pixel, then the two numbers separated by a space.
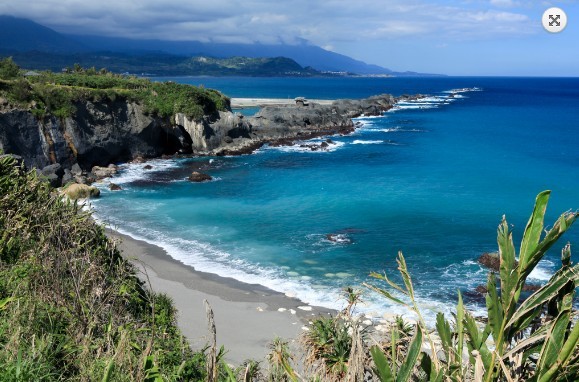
pixel 456 37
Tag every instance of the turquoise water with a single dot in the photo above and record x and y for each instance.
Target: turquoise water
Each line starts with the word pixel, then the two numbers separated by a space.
pixel 432 179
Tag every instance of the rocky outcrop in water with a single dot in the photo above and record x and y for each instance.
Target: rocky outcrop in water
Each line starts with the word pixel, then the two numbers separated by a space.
pixel 100 133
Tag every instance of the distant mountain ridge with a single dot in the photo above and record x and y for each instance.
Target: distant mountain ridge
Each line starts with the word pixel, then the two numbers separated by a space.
pixel 304 54
pixel 44 48
pixel 25 35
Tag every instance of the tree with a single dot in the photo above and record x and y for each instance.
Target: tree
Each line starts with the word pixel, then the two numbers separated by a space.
pixel 8 69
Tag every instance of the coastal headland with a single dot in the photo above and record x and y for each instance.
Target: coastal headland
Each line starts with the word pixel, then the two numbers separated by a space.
pixel 105 132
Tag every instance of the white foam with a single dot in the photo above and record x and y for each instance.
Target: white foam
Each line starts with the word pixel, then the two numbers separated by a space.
pixel 366 142
pixel 131 172
pixel 206 258
pixel 463 90
pixel 543 271
pixel 304 147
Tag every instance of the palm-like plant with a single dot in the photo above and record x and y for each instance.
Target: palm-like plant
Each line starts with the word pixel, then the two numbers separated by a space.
pixel 534 339
pixel 327 344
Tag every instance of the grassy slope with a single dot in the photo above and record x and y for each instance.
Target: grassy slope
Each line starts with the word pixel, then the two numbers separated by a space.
pixel 56 93
pixel 71 308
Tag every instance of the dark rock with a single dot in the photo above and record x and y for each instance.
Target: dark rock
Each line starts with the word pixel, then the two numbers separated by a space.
pixel 114 187
pixel 531 288
pixel 329 141
pixel 55 168
pixel 67 177
pixel 490 260
pixel 75 169
pixel 148 167
pixel 100 133
pixel 324 145
pixel 482 289
pixel 199 177
pixel 338 238
pixel 53 173
pixel 54 180
pixel 80 179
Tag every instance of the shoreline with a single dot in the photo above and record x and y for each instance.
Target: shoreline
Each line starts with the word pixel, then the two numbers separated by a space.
pixel 247 316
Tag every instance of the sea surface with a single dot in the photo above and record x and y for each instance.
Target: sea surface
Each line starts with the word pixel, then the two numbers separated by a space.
pixel 431 179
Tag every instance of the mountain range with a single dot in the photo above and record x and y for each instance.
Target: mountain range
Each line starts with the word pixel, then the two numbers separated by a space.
pixel 36 46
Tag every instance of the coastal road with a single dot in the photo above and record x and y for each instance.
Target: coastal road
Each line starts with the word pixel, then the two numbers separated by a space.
pixel 240 103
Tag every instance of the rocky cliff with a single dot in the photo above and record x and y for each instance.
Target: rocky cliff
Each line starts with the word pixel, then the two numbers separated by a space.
pixel 106 132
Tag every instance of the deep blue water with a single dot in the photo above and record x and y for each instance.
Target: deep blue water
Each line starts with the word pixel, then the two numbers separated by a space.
pixel 432 179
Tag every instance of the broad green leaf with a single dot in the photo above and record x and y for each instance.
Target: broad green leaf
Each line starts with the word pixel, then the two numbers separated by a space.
pixel 535 340
pixel 230 374
pixel 561 225
pixel 477 340
pixel 292 375
pixel 460 329
pixel 382 368
pixel 405 371
pixel 443 328
pixel 533 229
pixel 494 307
pixel 507 261
pixel 555 337
pixel 534 302
pixel 564 355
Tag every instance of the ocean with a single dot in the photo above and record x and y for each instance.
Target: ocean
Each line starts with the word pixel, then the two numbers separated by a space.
pixel 431 179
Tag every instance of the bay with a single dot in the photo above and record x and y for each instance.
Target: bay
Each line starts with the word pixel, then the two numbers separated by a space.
pixel 431 179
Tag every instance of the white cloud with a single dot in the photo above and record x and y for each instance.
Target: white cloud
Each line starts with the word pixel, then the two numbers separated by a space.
pixel 325 23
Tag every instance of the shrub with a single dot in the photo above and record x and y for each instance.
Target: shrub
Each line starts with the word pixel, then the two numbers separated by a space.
pixel 8 69
pixel 535 338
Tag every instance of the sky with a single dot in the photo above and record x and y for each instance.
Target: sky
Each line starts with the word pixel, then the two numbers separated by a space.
pixel 455 37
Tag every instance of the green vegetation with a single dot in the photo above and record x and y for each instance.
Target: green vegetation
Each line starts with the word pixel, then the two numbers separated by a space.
pixel 533 339
pixel 49 93
pixel 71 308
pixel 521 339
pixel 162 64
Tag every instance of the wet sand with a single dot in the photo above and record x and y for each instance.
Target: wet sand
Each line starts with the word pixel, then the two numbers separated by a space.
pixel 246 315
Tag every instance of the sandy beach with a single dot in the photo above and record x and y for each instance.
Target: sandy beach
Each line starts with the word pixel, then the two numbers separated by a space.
pixel 240 103
pixel 247 316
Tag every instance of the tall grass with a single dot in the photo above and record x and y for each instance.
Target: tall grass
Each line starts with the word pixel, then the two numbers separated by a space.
pixel 71 308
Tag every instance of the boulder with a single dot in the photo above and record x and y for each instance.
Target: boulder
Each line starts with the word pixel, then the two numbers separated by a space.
pixel 53 173
pixel 76 170
pixel 81 191
pixel 114 187
pixel 103 172
pixel 199 177
pixel 67 177
pixel 148 167
pixel 338 238
pixel 490 260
